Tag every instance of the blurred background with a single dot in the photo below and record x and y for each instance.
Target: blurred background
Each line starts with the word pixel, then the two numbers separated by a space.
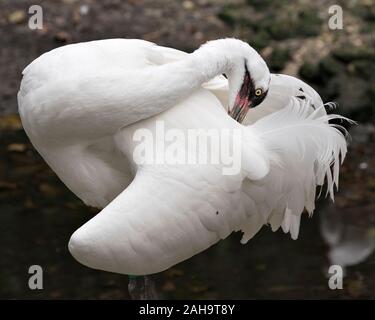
pixel 38 213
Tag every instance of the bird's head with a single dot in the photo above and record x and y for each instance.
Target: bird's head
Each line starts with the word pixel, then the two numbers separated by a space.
pixel 249 80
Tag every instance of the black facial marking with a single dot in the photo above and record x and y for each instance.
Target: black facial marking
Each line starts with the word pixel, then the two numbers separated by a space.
pixel 301 97
pixel 249 89
pixel 247 85
pixel 300 89
pixel 246 97
pixel 259 99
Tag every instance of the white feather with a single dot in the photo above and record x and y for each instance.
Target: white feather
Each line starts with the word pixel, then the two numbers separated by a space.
pixel 308 150
pixel 80 105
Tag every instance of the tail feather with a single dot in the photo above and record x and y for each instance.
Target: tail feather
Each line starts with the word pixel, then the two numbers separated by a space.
pixel 310 150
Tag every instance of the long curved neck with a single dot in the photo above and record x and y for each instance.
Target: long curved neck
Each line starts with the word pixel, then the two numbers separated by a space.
pixel 217 57
pixel 213 59
pixel 110 99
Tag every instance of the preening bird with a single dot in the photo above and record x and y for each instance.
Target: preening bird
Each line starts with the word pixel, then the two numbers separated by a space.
pixel 81 104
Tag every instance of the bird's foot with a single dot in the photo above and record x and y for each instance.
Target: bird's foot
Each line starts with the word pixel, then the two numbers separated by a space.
pixel 142 288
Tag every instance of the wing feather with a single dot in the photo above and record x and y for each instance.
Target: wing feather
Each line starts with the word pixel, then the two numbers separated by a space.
pixel 308 153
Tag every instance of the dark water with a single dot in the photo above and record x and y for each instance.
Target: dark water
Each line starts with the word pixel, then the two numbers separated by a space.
pixel 38 215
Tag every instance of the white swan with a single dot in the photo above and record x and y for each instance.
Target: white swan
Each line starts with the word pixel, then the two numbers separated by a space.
pixel 81 104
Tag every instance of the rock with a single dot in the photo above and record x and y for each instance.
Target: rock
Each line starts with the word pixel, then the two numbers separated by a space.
pixel 168 286
pixel 17 17
pixel 17 147
pixel 188 5
pixel 62 37
pixel 10 122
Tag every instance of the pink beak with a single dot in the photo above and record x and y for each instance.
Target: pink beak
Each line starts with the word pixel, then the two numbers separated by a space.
pixel 240 108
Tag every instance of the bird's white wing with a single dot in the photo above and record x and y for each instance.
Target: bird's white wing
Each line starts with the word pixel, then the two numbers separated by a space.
pixel 292 184
pixel 171 211
pixel 166 215
pixel 146 230
pixel 309 153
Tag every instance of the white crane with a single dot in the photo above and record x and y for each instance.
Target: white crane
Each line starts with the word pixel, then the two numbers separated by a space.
pixel 81 105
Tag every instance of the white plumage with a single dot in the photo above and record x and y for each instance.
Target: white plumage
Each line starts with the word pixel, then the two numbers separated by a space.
pixel 81 104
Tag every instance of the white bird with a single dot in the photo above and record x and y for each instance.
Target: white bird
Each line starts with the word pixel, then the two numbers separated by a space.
pixel 81 105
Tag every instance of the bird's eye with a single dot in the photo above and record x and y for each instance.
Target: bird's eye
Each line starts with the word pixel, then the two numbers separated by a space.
pixel 258 92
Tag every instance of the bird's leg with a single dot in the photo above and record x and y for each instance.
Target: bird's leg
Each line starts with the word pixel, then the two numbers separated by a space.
pixel 141 288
